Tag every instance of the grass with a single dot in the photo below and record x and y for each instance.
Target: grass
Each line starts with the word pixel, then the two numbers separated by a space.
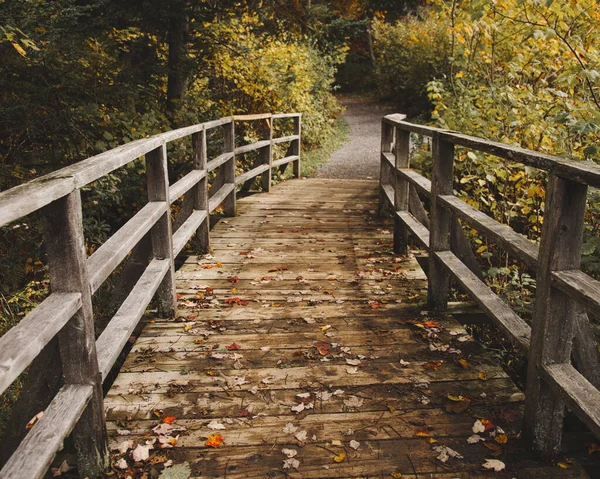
pixel 312 160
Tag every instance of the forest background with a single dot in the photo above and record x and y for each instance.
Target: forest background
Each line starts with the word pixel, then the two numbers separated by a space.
pixel 79 77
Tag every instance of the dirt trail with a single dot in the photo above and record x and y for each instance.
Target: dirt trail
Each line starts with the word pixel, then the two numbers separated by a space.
pixel 359 157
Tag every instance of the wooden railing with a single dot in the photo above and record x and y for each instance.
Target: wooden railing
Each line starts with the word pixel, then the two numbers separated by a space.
pixel 562 288
pixel 74 277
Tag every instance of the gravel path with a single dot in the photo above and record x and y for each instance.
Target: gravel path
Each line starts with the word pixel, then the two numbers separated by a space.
pixel 359 157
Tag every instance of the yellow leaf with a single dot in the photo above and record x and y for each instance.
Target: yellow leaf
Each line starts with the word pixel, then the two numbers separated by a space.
pixel 233 290
pixel 481 249
pixel 432 440
pixel 464 363
pixel 19 49
pixel 455 398
pixel 396 475
pixel 482 376
pixel 563 465
pixel 460 75
pixel 421 433
pixel 340 457
pixel 501 438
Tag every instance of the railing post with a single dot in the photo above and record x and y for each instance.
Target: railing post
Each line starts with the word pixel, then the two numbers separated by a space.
pixel 296 146
pixel 401 190
pixel 67 264
pixel 440 224
pixel 162 236
pixel 387 139
pixel 200 191
pixel 228 169
pixel 554 314
pixel 266 155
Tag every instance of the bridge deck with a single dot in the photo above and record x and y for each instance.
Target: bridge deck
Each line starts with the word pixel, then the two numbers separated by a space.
pixel 326 351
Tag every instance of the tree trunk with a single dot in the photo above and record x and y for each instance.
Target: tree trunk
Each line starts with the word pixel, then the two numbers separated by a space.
pixel 177 68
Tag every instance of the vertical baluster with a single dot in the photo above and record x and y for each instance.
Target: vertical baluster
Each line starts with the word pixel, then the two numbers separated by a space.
pixel 67 265
pixel 387 138
pixel 162 237
pixel 266 154
pixel 200 191
pixel 228 169
pixel 553 320
pixel 296 146
pixel 441 223
pixel 401 190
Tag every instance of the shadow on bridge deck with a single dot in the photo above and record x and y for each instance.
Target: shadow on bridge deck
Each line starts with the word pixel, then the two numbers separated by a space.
pixel 302 342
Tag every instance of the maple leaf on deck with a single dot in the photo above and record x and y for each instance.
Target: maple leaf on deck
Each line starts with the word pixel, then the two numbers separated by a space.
pixel 168 419
pixel 214 440
pixel 233 347
pixel 233 279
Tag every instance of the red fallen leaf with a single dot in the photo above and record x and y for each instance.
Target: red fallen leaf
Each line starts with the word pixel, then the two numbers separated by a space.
pixel 432 365
pixel 323 347
pixel 430 324
pixel 168 419
pixel 280 231
pixel 268 278
pixel 214 440
pixel 237 301
pixel 233 347
pixel 209 290
pixel 233 279
pixel 487 424
pixel 244 413
pixel 299 278
pixel 375 305
pixel 422 433
pixel 279 268
pixel 244 253
pixel 179 296
pixel 295 231
pixel 328 291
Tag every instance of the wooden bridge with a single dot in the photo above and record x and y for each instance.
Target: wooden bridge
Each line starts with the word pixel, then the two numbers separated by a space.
pixel 303 339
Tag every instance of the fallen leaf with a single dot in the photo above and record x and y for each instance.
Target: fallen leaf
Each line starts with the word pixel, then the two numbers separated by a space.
pixel 433 365
pixel 141 453
pixel 301 436
pixel 214 440
pixel 478 427
pixel 354 444
pixel 474 439
pixel 233 279
pixel 215 425
pixel 353 362
pixel 482 376
pixel 33 421
pixel 493 464
pixel 323 347
pixel 464 363
pixel 291 463
pixel 353 401
pixel 495 448
pixel 289 453
pixel 501 438
pixel 430 324
pixel 422 433
pixel 121 464
pixel 352 370
pixel 340 457
pixel 396 475
pixel 234 347
pixel 563 465
pixel 168 419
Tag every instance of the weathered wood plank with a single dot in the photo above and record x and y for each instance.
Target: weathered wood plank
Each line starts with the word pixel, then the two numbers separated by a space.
pixel 187 229
pixel 420 233
pixel 228 172
pixel 218 161
pixel 220 196
pixel 284 161
pixel 401 190
pixel 114 250
pixel 178 189
pixel 499 233
pixel 578 393
pixel 422 184
pixel 258 116
pixel 582 287
pixel 239 150
pixel 21 344
pixel 514 328
pixel 36 452
pixel 254 172
pixel 286 115
pixel 113 338
pixel 200 192
pixel 284 139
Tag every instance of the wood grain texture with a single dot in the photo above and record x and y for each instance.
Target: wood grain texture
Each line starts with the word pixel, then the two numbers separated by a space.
pixel 200 192
pixel 284 161
pixel 219 160
pixel 582 287
pixel 182 186
pixel 20 345
pixel 36 452
pixel 422 184
pixel 187 229
pixel 228 172
pixel 401 189
pixel 220 196
pixel 417 229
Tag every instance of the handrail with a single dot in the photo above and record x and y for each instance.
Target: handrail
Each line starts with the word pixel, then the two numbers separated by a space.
pixel 74 277
pixel 562 288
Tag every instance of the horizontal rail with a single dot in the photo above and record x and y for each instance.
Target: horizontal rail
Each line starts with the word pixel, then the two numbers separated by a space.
pixel 112 340
pixel 254 172
pixel 389 193
pixel 277 116
pixel 418 230
pixel 580 286
pixel 422 184
pixel 187 229
pixel 579 394
pixel 34 455
pixel 499 233
pixel 390 158
pixel 252 146
pixel 218 161
pixel 22 343
pixel 219 196
pixel 179 188
pixel 284 161
pixel 284 139
pixel 259 116
pixel 106 258
pixel 511 324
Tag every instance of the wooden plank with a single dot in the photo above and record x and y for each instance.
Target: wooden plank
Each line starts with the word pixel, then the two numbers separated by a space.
pixel 422 184
pixel 34 455
pixel 555 311
pixel 22 343
pixel 513 327
pixel 179 188
pixel 284 161
pixel 228 171
pixel 497 232
pixel 265 156
pixel 251 147
pixel 215 123
pixel 286 115
pixel 440 224
pixel 394 119
pixel 414 128
pixel 114 250
pixel 29 197
pixel 258 116
pixel 187 229
pixel 579 394
pixel 420 233
pixel 401 190
pixel 580 286
pixel 219 160
pixel 200 192
pixel 219 196
pixel 112 340
pixel 162 237
pixel 285 139
pixel 251 174
pixel 389 157
pixel 67 267
pixel 386 197
pixel 181 132
pixel 389 194
pixel 295 147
